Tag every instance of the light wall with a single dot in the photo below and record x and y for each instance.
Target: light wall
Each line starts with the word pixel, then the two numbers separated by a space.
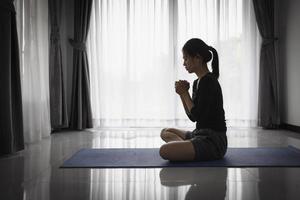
pixel 289 43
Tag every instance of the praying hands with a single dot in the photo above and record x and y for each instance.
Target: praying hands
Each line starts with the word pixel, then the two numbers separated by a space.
pixel 182 86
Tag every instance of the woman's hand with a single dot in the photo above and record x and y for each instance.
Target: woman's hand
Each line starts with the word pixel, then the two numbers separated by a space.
pixel 182 86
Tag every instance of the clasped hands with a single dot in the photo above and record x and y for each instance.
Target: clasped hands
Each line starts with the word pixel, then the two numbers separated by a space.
pixel 182 86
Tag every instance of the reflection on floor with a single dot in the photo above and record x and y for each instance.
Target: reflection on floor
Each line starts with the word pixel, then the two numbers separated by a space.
pixel 35 174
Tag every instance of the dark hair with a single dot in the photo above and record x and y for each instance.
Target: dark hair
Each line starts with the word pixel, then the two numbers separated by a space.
pixel 195 46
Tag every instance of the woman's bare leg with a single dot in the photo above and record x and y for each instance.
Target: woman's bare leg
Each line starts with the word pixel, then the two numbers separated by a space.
pixel 172 134
pixel 178 151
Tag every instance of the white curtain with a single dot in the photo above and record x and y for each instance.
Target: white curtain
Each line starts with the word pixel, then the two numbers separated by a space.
pixel 230 27
pixel 134 50
pixel 32 24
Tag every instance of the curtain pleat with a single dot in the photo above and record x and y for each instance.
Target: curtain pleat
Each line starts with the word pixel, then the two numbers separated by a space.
pixel 58 103
pixel 32 18
pixel 81 114
pixel 11 120
pixel 268 106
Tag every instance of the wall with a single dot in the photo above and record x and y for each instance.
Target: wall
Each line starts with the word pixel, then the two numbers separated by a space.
pixel 289 43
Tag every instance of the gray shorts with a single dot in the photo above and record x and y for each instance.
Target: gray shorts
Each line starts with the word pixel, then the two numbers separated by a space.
pixel 208 144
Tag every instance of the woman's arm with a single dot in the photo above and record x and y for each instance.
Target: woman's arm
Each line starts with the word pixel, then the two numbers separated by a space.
pixel 184 105
pixel 182 88
pixel 187 101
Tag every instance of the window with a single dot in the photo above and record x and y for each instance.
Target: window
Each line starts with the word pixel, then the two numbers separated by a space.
pixel 134 50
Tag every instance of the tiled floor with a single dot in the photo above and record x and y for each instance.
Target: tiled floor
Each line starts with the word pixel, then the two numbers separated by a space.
pixel 35 173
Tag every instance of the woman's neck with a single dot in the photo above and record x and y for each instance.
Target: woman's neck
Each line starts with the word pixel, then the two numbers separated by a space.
pixel 203 70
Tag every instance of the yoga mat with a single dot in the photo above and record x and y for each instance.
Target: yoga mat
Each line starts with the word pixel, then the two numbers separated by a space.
pixel 149 158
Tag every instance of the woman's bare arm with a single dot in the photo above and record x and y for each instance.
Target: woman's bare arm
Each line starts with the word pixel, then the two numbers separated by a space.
pixel 187 101
pixel 182 88
pixel 184 105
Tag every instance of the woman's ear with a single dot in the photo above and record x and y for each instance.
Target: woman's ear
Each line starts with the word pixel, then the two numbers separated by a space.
pixel 199 58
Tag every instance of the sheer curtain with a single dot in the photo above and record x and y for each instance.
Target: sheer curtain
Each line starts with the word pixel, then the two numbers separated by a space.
pixel 230 27
pixel 134 50
pixel 32 20
pixel 132 72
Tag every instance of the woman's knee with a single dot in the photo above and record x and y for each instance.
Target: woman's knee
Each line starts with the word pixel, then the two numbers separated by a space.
pixel 163 151
pixel 177 151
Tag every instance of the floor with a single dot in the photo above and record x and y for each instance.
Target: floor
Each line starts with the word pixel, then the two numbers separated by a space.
pixel 35 174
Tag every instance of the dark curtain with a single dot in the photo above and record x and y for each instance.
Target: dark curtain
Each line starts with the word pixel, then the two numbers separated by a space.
pixel 58 103
pixel 11 119
pixel 81 115
pixel 268 105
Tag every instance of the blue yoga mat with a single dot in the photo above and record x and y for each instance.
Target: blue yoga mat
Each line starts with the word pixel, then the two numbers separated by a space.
pixel 149 158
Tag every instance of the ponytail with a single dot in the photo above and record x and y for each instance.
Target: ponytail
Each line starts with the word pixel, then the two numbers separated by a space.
pixel 196 46
pixel 215 62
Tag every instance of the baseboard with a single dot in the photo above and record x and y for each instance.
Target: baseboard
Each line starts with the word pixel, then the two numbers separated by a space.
pixel 290 127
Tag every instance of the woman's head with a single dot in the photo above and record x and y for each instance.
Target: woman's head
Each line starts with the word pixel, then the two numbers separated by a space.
pixel 195 50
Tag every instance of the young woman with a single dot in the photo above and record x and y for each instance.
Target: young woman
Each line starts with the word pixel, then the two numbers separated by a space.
pixel 208 141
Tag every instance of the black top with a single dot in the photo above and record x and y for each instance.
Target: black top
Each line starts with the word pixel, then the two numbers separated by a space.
pixel 208 109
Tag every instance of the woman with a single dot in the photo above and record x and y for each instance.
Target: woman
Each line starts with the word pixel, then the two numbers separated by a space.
pixel 208 141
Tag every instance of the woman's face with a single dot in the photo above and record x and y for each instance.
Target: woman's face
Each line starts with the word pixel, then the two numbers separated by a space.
pixel 191 63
